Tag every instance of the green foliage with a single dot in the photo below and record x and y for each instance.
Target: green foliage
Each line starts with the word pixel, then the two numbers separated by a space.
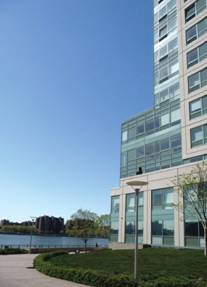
pixel 192 189
pixel 85 224
pixel 91 277
pixel 84 214
pixel 104 220
pixel 80 227
pixel 159 268
pixel 9 251
pixel 17 229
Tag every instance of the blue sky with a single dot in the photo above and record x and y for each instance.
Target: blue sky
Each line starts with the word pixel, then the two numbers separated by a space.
pixel 70 72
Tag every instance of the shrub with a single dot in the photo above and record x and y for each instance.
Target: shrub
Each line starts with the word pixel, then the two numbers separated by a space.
pixel 8 251
pixel 90 277
pixel 102 279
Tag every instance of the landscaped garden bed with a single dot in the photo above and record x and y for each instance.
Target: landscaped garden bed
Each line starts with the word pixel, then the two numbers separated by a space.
pixel 157 267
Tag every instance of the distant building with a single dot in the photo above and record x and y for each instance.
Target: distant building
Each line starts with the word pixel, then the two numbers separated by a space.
pixel 49 224
pixel 4 222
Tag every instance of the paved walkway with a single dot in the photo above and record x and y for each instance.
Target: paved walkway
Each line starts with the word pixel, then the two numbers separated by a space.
pixel 16 271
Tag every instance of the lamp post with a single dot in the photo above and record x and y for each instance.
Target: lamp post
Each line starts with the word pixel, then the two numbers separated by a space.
pixel 136 184
pixel 30 242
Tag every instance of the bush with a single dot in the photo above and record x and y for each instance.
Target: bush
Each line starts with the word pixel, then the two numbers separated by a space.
pixel 147 246
pixel 90 277
pixel 8 251
pixel 102 279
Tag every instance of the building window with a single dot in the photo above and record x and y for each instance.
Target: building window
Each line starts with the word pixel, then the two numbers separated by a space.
pixel 166 68
pixel 130 217
pixel 194 233
pixel 162 198
pixel 165 22
pixel 140 128
pixel 163 32
pixel 132 132
pixel 162 217
pixel 195 9
pixel 167 94
pixel 175 116
pixel 124 136
pixel 165 119
pixel 190 12
pixel 197 80
pixel 199 136
pixel 197 55
pixel 198 107
pixel 196 31
pixel 114 218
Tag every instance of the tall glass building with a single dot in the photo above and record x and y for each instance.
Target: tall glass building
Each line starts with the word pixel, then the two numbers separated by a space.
pixel 167 141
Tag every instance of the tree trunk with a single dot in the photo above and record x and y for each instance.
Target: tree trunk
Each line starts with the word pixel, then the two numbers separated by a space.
pixel 205 240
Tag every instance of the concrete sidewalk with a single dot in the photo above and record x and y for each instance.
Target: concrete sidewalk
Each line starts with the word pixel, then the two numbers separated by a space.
pixel 17 271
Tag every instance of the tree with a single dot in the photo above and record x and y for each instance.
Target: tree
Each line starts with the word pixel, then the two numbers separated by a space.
pixel 84 214
pixel 192 188
pixel 104 220
pixel 85 224
pixel 78 227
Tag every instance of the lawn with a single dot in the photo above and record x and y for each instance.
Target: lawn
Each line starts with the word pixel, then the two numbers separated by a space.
pixel 152 261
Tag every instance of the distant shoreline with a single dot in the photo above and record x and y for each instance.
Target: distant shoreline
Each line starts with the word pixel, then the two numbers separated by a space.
pixel 33 234
pixel 50 235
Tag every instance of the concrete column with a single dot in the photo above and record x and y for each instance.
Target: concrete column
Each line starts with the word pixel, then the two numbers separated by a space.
pixel 121 238
pixel 178 217
pixel 147 217
pixel 181 222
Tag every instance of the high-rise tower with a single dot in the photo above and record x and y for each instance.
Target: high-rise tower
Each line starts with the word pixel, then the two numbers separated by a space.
pixel 162 143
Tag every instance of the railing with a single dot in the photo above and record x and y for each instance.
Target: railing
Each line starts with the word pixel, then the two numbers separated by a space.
pixel 47 246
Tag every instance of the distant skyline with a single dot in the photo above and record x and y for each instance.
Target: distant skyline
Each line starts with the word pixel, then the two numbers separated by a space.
pixel 71 72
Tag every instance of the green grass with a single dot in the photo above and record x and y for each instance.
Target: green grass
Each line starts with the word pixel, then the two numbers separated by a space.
pixel 153 262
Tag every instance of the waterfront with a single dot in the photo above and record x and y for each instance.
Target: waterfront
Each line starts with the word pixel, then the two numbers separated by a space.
pixel 13 240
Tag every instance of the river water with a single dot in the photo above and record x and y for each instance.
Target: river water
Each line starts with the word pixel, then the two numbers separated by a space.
pixel 22 241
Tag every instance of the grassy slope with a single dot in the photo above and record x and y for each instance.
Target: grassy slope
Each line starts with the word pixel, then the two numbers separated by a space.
pixel 189 263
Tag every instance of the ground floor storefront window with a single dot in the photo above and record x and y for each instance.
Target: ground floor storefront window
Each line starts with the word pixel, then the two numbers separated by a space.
pixel 130 218
pixel 115 202
pixel 162 226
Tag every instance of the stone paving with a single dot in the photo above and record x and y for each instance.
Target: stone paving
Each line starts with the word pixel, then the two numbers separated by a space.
pixel 17 271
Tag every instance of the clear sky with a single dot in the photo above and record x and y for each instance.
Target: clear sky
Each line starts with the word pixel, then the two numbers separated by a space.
pixel 70 72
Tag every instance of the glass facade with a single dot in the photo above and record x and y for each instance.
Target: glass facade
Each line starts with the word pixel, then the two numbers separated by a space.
pixel 115 203
pixel 161 152
pixel 151 122
pixel 165 20
pixel 162 217
pixel 152 141
pixel 130 218
pixel 194 234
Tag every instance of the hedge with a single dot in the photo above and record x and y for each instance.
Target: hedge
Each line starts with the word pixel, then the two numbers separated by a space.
pixel 8 251
pixel 103 279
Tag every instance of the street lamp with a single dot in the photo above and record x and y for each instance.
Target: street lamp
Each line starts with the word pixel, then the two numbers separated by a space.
pixel 33 218
pixel 136 184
